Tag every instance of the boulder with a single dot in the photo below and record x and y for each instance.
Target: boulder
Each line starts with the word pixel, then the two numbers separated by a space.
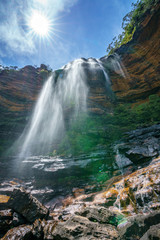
pixel 97 214
pixel 152 234
pixel 38 229
pixel 78 227
pixel 141 145
pixel 137 226
pixel 28 206
pixel 6 217
pixel 18 219
pixel 23 232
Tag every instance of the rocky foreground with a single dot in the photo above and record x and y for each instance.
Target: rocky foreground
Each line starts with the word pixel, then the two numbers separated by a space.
pixel 125 209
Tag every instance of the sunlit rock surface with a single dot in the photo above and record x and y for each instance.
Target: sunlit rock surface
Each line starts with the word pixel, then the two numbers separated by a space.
pixel 140 58
pixel 22 232
pixel 138 192
pixel 125 208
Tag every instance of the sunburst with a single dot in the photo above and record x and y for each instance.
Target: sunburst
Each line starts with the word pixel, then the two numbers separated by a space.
pixel 39 24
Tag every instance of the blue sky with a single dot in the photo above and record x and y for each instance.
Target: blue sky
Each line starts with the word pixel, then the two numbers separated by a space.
pixel 78 28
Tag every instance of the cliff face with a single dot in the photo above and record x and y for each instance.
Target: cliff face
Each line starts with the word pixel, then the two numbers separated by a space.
pixel 18 91
pixel 141 59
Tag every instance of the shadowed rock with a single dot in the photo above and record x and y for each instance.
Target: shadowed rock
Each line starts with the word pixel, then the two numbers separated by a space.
pixel 78 227
pixel 97 214
pixel 137 226
pixel 28 206
pixel 153 233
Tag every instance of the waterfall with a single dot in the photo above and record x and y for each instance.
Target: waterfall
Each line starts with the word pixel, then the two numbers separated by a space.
pixel 63 97
pixel 118 66
pixel 104 72
pixel 68 92
pixel 114 63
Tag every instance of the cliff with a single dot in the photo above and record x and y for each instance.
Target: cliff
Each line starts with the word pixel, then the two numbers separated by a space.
pixel 18 91
pixel 140 58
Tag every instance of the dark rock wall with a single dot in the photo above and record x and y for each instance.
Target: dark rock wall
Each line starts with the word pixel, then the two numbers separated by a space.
pixel 18 93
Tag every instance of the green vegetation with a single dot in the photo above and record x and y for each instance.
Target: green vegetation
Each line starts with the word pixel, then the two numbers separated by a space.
pixel 131 22
pixel 89 133
pixel 43 69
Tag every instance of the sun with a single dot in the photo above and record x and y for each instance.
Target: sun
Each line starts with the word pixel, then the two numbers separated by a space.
pixel 39 24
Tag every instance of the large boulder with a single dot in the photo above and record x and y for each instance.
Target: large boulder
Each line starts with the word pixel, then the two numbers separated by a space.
pixel 23 232
pixel 137 226
pixel 78 227
pixel 152 234
pixel 28 206
pixel 97 214
pixel 141 145
pixel 6 217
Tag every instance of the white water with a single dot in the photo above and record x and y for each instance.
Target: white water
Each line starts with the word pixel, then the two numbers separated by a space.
pixel 104 72
pixel 118 66
pixel 61 98
pixel 47 121
pixel 115 64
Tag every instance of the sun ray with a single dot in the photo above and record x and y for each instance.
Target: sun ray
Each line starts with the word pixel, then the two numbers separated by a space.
pixel 39 24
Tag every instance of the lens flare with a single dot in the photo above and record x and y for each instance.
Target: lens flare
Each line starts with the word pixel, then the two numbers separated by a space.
pixel 39 24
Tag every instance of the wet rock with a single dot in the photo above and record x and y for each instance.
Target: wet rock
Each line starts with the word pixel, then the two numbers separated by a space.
pixel 28 206
pixel 18 219
pixel 139 192
pixel 43 195
pixel 152 234
pixel 6 217
pixel 9 219
pixel 141 144
pixel 23 232
pixel 78 227
pixel 97 214
pixel 6 214
pixel 37 231
pixel 122 161
pixel 48 229
pixel 137 226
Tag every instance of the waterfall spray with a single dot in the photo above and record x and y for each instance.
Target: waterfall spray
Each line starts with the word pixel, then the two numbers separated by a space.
pixel 67 93
pixel 63 96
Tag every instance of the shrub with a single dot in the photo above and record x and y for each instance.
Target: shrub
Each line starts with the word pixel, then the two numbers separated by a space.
pixel 131 22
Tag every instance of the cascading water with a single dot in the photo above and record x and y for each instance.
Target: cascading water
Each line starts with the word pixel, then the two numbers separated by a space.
pixel 58 123
pixel 67 93
pixel 118 66
pixel 104 72
pixel 114 63
pixel 63 96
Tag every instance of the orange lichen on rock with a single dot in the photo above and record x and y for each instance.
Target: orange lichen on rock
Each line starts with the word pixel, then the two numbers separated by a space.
pixel 141 59
pixel 136 191
pixel 4 199
pixel 67 201
pixel 77 192
pixel 111 193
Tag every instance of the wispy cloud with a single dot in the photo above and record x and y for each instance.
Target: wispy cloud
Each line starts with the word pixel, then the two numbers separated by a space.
pixel 56 6
pixel 14 36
